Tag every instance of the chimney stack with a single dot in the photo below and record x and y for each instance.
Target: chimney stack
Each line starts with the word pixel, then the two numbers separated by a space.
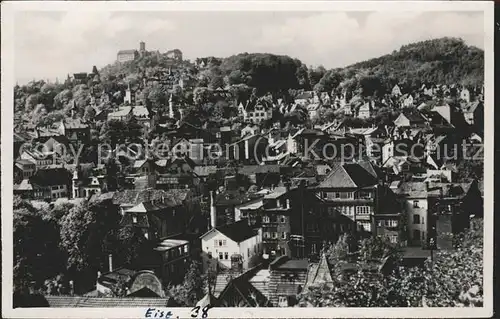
pixel 110 257
pixel 213 217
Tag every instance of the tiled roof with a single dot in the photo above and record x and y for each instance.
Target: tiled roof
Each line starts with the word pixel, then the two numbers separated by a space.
pixel 259 169
pixel 350 175
pixel 51 177
pixel 238 231
pixel 134 197
pixel 413 116
pixel 105 302
pixel 75 124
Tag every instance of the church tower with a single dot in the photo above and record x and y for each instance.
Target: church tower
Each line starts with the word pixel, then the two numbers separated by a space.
pixel 170 107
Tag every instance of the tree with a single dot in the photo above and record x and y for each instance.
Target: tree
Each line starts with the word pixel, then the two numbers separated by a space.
pixel 453 278
pixel 82 233
pixel 202 95
pixel 36 252
pixel 193 287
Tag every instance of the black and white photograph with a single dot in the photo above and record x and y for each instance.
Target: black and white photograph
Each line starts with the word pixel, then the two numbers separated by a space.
pixel 187 159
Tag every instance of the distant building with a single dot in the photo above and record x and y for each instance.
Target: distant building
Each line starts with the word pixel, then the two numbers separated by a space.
pixel 396 91
pixel 175 54
pixel 127 55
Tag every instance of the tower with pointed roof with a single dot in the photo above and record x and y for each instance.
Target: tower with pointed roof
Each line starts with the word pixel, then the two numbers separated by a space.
pixel 171 107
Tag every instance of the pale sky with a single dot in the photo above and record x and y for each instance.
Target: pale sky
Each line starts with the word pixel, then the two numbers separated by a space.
pixel 53 44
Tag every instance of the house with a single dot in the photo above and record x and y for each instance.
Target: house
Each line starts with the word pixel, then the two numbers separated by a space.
pixel 274 217
pixel 232 246
pixel 437 208
pixel 257 111
pixel 474 113
pixel 354 191
pixel 174 260
pixel 40 159
pixel 304 98
pixel 250 129
pixel 24 169
pixel 127 55
pixel 465 95
pixel 157 218
pixel 313 110
pixel 86 182
pixel 365 110
pixel 75 130
pixel 287 280
pixel 407 100
pixel 50 184
pixel 410 118
pixel 396 91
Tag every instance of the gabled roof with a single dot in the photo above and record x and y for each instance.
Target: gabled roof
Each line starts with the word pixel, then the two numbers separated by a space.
pixel 350 175
pixel 75 124
pixel 413 116
pixel 320 274
pixel 238 231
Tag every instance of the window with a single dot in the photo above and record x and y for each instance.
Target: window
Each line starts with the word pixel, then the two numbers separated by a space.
pixel 283 235
pixel 366 225
pixel 226 255
pixel 391 223
pixel 416 219
pixel 393 239
pixel 248 252
pixel 134 219
pixel 415 204
pixel 267 234
pixel 283 301
pixel 379 223
pixel 220 255
pixel 282 219
pixel 216 243
pixel 275 235
pixel 423 220
pixel 209 255
pixel 265 219
pixel 363 210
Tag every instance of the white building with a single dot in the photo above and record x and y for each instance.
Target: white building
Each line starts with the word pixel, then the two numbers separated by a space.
pixel 231 245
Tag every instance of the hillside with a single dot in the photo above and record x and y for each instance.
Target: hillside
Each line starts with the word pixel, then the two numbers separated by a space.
pixel 444 61
pixel 155 77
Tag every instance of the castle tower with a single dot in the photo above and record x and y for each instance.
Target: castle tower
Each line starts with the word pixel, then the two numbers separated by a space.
pixel 142 48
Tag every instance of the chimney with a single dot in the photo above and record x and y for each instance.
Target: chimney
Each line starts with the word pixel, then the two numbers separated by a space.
pixel 110 257
pixel 213 217
pixel 426 185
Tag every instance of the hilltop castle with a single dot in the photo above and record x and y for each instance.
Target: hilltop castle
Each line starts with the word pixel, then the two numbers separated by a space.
pixel 131 55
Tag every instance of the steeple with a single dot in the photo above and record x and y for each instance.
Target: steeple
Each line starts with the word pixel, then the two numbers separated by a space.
pixel 170 107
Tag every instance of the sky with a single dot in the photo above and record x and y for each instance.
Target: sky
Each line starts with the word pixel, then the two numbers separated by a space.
pixel 52 44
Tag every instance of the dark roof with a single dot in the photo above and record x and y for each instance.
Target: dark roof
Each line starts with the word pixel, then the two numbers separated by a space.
pixel 51 177
pixel 105 302
pixel 350 175
pixel 259 169
pixel 241 288
pixel 238 231
pixel 413 116
pixel 134 197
